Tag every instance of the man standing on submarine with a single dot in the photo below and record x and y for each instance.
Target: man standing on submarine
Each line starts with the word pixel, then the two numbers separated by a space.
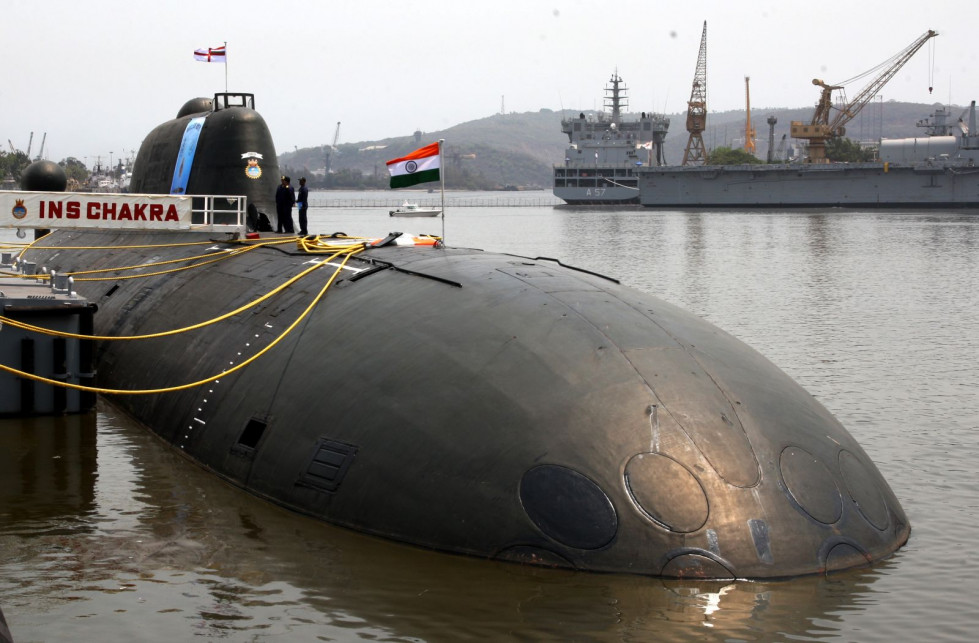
pixel 285 198
pixel 303 206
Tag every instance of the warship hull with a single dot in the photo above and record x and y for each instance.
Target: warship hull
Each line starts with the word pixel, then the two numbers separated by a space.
pixel 849 185
pixel 596 186
pixel 940 170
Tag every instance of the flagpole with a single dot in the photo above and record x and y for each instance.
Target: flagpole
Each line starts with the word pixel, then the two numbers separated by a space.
pixel 225 66
pixel 442 183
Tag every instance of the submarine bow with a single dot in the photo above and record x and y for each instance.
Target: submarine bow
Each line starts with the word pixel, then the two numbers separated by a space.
pixel 501 407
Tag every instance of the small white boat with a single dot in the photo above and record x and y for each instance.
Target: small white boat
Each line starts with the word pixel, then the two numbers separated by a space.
pixel 414 210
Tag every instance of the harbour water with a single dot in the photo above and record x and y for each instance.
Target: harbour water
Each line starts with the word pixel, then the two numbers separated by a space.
pixel 107 534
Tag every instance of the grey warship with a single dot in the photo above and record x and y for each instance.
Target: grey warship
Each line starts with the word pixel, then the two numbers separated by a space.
pixel 938 170
pixel 511 408
pixel 606 150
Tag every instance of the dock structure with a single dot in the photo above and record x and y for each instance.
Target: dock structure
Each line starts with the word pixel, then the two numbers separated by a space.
pixel 31 296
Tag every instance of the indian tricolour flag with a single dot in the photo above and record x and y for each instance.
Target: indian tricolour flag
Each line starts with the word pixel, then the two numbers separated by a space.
pixel 421 166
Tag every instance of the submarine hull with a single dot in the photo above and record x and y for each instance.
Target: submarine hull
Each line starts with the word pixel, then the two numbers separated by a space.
pixel 491 405
pixel 476 403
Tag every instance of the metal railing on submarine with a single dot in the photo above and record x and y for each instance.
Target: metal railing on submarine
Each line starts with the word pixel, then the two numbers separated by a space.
pixel 219 213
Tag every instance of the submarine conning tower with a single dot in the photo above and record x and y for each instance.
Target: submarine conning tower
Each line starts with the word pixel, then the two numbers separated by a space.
pixel 219 146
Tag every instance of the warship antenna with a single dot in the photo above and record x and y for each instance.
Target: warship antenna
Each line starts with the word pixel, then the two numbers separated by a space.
pixel 615 97
pixel 695 154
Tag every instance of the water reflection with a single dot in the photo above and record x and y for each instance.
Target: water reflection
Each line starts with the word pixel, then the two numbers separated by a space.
pixel 47 473
pixel 146 541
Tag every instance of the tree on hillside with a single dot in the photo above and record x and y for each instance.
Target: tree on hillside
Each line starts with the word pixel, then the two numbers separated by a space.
pixel 847 150
pixel 13 164
pixel 727 156
pixel 75 169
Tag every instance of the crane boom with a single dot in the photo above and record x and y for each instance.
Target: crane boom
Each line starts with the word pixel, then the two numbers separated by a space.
pixel 822 127
pixel 328 165
pixel 749 131
pixel 780 151
pixel 872 88
pixel 695 154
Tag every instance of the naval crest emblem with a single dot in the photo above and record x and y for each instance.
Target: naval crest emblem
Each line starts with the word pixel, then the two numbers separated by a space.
pixel 19 211
pixel 252 170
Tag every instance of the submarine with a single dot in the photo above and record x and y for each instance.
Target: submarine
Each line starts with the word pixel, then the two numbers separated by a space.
pixel 511 408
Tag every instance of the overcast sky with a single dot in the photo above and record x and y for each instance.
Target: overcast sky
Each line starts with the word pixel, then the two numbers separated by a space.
pixel 97 76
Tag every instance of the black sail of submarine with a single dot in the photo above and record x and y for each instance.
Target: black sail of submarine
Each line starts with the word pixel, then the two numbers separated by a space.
pixel 218 144
pixel 483 404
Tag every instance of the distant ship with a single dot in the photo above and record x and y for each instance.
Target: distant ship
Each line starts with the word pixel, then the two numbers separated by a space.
pixel 938 170
pixel 606 151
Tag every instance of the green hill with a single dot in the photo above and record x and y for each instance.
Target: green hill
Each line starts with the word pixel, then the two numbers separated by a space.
pixel 520 149
pixel 500 150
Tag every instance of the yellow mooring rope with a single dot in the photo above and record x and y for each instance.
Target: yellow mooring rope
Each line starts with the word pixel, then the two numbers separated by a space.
pixel 176 331
pixel 221 255
pixel 347 253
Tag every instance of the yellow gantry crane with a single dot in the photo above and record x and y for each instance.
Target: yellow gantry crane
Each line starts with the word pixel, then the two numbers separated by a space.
pixel 749 131
pixel 695 154
pixel 824 127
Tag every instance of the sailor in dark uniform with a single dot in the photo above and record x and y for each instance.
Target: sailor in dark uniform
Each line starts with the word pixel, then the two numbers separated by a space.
pixel 302 202
pixel 285 198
